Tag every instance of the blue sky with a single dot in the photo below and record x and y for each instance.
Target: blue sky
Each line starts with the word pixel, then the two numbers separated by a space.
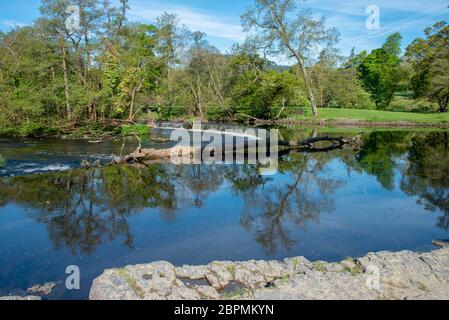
pixel 221 19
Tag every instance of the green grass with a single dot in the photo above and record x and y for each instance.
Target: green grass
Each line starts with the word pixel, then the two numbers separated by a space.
pixel 353 270
pixel 330 115
pixel 131 282
pixel 234 294
pixel 319 266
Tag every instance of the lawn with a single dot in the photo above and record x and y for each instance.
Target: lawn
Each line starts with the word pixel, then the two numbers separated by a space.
pixel 379 116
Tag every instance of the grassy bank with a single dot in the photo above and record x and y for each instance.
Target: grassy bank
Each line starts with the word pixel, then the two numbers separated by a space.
pixel 69 130
pixel 355 116
pixel 327 117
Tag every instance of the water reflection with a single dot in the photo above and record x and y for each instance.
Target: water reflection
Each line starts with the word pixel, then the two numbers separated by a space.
pixel 85 208
pixel 427 175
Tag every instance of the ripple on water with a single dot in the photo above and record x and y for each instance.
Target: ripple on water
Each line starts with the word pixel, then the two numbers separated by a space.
pixel 50 168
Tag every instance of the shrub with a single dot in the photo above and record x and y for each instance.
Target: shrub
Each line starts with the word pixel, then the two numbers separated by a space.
pixel 135 129
pixel 31 129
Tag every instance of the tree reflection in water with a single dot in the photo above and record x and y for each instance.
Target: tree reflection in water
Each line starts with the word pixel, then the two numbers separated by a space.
pixel 427 175
pixel 270 207
pixel 84 208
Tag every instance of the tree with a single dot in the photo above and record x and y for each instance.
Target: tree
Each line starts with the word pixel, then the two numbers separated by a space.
pixel 429 59
pixel 427 174
pixel 264 95
pixel 355 60
pixel 197 71
pixel 172 42
pixel 283 29
pixel 110 75
pixel 380 71
pixel 322 75
pixel 140 70
pixel 27 83
pixel 393 44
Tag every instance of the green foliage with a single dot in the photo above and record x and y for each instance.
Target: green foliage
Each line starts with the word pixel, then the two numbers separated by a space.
pixel 429 60
pixel 262 95
pixel 8 132
pixel 111 72
pixel 393 45
pixel 111 68
pixel 135 129
pixel 407 104
pixel 2 162
pixel 380 75
pixel 234 294
pixel 33 129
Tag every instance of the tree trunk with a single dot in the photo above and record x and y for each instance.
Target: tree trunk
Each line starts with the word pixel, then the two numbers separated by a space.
pixel 131 105
pixel 442 103
pixel 198 98
pixel 286 39
pixel 133 98
pixel 66 83
pixel 308 85
pixel 53 78
pixel 87 65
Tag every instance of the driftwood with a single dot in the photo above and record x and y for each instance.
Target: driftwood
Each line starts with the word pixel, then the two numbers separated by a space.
pixel 88 164
pixel 147 156
pixel 441 243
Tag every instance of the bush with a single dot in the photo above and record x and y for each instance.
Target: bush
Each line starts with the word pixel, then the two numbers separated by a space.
pixel 2 162
pixel 135 129
pixel 8 132
pixel 407 104
pixel 31 129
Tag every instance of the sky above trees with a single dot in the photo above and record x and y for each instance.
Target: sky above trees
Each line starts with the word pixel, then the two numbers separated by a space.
pixel 221 19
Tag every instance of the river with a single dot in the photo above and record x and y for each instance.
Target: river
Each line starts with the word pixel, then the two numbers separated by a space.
pixel 391 194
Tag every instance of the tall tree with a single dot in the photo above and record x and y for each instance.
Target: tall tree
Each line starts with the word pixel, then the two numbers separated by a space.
pixel 197 70
pixel 284 29
pixel 393 44
pixel 381 73
pixel 141 68
pixel 429 59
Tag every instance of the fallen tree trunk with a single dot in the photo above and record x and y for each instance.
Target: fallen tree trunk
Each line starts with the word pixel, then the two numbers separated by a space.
pixel 148 156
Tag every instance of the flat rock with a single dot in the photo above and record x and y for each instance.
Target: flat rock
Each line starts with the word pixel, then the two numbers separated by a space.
pixel 382 275
pixel 42 289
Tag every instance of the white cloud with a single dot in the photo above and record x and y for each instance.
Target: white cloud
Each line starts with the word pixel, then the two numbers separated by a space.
pixel 212 24
pixel 12 24
pixel 409 17
pixel 357 7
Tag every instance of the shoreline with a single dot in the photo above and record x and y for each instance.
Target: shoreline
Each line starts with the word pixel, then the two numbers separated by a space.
pixel 348 123
pixel 323 123
pixel 383 275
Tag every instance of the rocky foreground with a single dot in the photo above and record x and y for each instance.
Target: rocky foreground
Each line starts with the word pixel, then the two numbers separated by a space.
pixel 383 275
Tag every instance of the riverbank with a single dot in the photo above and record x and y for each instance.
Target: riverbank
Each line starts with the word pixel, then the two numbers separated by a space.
pixel 383 275
pixel 371 118
pixel 328 117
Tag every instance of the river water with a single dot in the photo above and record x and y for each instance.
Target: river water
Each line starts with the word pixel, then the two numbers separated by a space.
pixel 390 194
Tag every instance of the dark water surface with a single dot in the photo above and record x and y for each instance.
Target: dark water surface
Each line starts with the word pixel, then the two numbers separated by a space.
pixel 392 194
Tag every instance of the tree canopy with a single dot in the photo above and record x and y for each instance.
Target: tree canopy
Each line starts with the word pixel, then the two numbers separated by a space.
pixel 54 73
